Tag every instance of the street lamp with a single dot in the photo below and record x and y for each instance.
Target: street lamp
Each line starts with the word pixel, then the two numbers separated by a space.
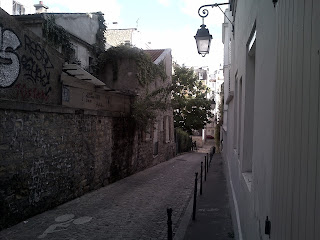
pixel 203 40
pixel 203 37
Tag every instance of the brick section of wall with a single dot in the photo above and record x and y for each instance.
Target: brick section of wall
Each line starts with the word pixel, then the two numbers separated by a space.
pixel 50 158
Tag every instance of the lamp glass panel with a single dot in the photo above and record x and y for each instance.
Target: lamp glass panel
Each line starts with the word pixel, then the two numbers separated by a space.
pixel 203 45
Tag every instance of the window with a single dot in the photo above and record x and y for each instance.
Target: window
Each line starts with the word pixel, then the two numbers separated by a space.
pixel 201 76
pixel 161 126
pixel 249 104
pixel 148 133
pixel 90 67
pixel 235 119
pixel 18 8
pixel 166 129
pixel 240 117
pixel 155 138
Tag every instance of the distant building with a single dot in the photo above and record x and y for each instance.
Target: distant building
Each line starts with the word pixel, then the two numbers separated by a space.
pixel 215 84
pixel 20 7
pixel 116 37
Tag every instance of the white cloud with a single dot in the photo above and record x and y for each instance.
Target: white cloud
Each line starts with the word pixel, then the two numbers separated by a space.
pixel 164 2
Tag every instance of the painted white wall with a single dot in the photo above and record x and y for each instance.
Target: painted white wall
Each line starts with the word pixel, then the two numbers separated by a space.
pixel 250 113
pixel 84 26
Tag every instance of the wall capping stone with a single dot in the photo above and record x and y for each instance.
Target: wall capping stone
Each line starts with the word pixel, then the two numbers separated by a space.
pixel 35 107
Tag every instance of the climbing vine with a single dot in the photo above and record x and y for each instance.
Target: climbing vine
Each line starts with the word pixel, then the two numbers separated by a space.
pixel 57 36
pixel 147 105
pixel 100 36
pixel 145 109
pixel 147 71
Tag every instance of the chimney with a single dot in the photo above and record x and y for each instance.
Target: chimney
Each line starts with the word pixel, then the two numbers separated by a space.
pixel 41 8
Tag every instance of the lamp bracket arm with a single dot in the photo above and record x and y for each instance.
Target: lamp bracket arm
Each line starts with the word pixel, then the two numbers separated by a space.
pixel 203 11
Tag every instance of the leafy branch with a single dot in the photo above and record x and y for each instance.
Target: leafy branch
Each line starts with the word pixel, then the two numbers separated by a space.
pixel 145 109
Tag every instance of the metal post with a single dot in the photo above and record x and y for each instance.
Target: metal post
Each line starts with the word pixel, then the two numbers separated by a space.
pixel 169 222
pixel 205 168
pixel 208 159
pixel 195 197
pixel 207 164
pixel 201 178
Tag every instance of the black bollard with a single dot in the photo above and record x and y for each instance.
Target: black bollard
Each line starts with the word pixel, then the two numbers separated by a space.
pixel 205 168
pixel 201 178
pixel 208 159
pixel 195 197
pixel 169 222
pixel 207 164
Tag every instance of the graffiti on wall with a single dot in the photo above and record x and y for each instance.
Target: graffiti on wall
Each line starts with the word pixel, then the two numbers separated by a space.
pixel 9 60
pixel 24 92
pixel 37 67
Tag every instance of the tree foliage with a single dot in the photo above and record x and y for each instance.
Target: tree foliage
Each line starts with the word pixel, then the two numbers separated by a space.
pixel 192 110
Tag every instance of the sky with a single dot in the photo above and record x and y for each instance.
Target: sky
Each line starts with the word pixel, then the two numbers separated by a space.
pixel 163 23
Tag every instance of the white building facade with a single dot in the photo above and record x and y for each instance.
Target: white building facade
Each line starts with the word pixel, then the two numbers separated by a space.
pixel 271 117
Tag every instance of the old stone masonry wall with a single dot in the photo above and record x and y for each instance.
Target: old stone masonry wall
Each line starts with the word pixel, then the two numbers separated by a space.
pixel 50 158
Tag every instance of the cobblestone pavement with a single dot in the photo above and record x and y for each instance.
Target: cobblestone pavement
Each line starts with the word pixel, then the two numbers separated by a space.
pixel 132 208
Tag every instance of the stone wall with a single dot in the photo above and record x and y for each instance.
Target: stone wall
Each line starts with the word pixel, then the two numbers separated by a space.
pixel 48 158
pixel 52 153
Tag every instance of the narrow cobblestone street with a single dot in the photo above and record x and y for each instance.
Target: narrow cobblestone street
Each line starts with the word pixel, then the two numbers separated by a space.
pixel 132 208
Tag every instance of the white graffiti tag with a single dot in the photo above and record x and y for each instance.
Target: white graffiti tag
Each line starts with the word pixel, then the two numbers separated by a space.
pixel 9 61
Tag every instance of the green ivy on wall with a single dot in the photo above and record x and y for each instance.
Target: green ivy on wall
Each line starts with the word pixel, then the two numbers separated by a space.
pixel 145 109
pixel 57 36
pixel 147 71
pixel 100 36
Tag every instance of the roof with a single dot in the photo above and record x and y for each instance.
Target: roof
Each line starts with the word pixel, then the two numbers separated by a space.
pixel 154 53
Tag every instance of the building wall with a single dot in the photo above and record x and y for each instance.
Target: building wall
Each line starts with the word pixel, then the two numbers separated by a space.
pixel 33 70
pixel 116 37
pixel 273 121
pixel 44 163
pixel 84 26
pixel 296 185
pixel 248 141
